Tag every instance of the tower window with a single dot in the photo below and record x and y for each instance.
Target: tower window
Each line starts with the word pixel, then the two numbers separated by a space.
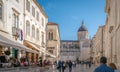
pixel 50 35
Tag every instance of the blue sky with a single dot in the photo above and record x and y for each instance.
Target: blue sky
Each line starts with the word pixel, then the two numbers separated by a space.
pixel 68 14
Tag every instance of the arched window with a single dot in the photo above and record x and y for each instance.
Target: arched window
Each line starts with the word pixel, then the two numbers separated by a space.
pixel 15 20
pixel 1 10
pixel 33 31
pixel 42 22
pixel 37 34
pixel 27 5
pixel 42 37
pixel 50 35
pixel 27 28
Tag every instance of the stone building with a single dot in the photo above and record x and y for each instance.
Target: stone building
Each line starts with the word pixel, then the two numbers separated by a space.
pixel 35 21
pixel 11 28
pixel 53 41
pixel 70 50
pixel 76 49
pixel 93 49
pixel 84 42
pixel 23 29
pixel 113 31
pixel 98 44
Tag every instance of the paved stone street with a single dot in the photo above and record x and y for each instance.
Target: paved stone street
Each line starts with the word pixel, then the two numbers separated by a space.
pixel 24 69
pixel 78 68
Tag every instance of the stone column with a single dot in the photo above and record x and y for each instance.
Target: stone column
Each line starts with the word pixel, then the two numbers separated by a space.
pixel 29 57
pixel 19 54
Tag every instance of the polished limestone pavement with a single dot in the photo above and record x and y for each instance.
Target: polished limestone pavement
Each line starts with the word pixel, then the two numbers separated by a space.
pixel 78 68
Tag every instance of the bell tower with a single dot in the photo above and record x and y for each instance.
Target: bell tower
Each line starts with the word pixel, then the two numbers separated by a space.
pixel 82 32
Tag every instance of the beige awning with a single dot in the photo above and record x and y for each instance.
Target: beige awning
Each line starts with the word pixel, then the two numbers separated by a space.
pixel 4 41
pixel 9 43
pixel 41 49
pixel 37 47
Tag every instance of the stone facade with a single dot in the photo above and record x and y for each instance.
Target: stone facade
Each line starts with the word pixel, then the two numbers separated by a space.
pixel 53 41
pixel 11 24
pixel 35 22
pixel 111 33
pixel 98 46
pixel 79 49
pixel 84 42
pixel 113 30
pixel 70 50
pixel 23 23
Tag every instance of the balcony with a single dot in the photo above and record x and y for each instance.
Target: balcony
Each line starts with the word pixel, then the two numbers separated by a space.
pixel 15 31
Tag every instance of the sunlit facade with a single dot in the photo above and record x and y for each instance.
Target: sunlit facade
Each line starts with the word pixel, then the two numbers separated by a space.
pixel 35 21
pixel 11 28
pixel 53 41
pixel 76 49
pixel 23 29
pixel 113 30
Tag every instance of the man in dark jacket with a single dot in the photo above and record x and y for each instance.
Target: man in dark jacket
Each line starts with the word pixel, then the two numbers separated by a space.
pixel 63 66
pixel 70 66
pixel 59 65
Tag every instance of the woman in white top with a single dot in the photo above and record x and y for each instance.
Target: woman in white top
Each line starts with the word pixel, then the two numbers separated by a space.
pixel 113 66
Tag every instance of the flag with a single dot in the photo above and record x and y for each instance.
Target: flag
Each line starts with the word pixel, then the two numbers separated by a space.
pixel 21 35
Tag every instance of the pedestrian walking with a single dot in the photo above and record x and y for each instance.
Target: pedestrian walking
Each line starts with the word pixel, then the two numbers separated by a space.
pixel 63 66
pixel 70 66
pixel 89 64
pixel 59 66
pixel 113 66
pixel 74 64
pixel 40 63
pixel 103 67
